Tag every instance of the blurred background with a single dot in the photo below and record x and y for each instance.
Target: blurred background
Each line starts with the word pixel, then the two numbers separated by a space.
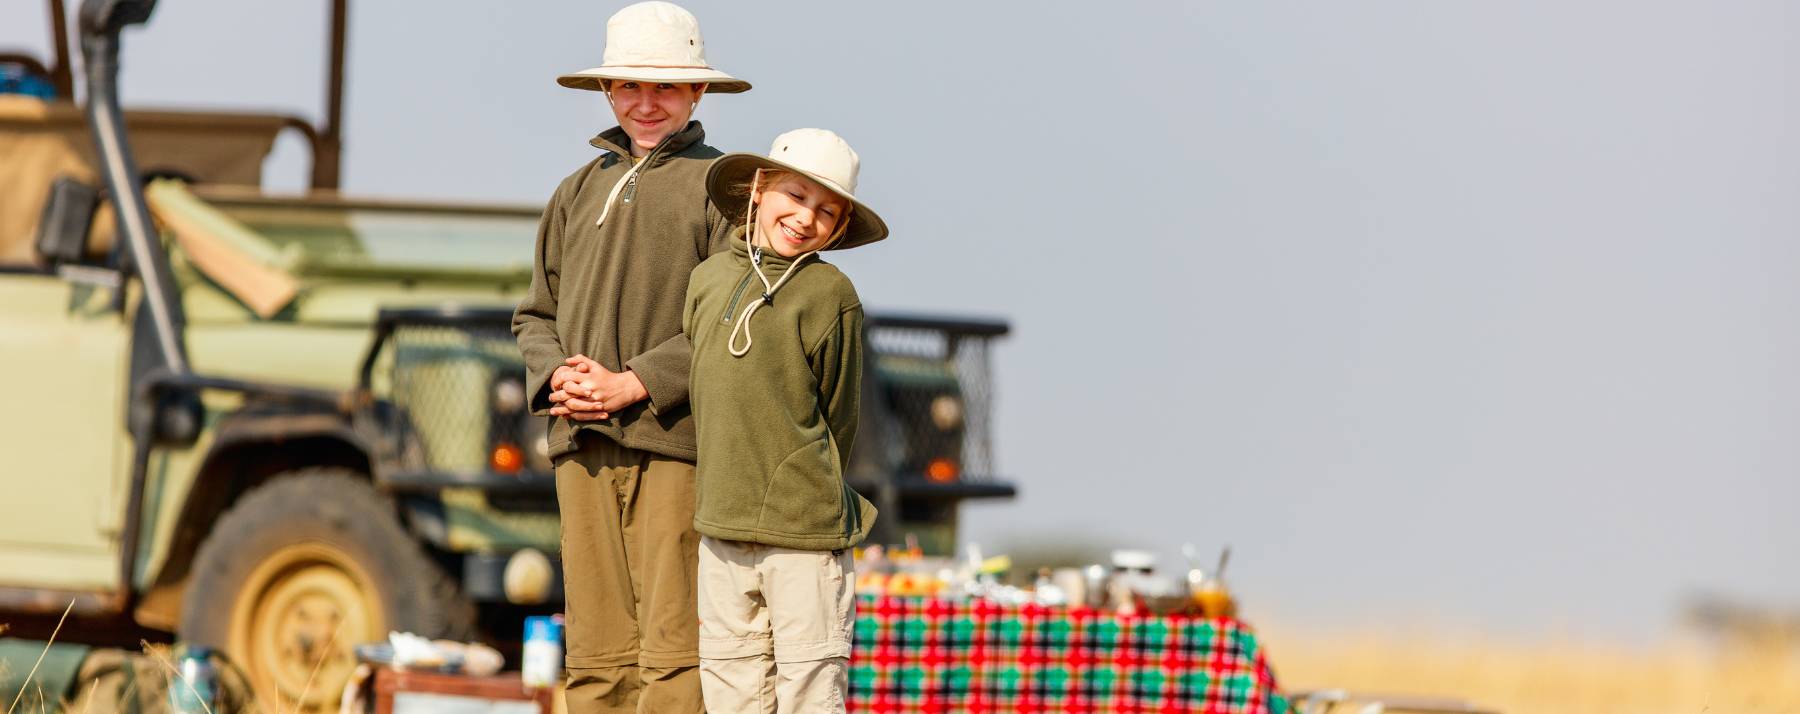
pixel 1465 325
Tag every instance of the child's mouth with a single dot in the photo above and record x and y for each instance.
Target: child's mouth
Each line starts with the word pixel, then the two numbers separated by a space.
pixel 791 235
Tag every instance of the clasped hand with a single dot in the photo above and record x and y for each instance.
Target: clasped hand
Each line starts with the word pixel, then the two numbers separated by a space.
pixel 583 390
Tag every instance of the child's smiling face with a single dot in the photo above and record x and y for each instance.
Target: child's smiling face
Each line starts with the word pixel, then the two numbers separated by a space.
pixel 795 215
pixel 650 111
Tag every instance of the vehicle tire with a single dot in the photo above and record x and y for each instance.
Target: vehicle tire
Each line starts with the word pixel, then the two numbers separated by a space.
pixel 301 569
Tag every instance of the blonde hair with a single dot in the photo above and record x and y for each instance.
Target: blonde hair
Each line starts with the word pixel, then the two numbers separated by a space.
pixel 770 177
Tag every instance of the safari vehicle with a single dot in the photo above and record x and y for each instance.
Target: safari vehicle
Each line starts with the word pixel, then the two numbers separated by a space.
pixel 282 426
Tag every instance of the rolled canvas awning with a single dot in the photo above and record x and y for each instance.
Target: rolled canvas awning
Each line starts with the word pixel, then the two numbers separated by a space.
pixel 43 140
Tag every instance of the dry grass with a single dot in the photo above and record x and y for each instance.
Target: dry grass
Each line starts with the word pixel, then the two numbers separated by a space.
pixel 1547 678
pixel 40 660
pixel 43 704
pixel 174 673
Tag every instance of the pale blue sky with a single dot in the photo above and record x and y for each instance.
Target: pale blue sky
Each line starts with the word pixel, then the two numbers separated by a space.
pixel 1480 311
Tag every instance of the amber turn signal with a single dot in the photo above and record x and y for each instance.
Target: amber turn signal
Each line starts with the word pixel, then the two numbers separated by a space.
pixel 507 459
pixel 941 470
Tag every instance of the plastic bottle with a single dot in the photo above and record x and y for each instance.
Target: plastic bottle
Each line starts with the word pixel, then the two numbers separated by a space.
pixel 543 651
pixel 195 690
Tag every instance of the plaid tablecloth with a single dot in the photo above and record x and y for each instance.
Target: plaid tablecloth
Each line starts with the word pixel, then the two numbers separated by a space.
pixel 929 655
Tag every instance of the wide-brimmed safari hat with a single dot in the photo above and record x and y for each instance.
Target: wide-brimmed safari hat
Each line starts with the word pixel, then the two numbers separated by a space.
pixel 817 154
pixel 654 42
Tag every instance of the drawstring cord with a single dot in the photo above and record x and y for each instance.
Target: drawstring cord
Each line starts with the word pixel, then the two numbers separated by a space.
pixel 768 295
pixel 626 179
pixel 606 87
pixel 620 186
pixel 766 298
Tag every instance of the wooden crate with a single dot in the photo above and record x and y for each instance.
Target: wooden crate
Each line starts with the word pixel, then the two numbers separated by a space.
pixel 405 692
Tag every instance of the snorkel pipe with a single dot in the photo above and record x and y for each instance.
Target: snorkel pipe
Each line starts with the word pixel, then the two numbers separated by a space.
pixel 101 22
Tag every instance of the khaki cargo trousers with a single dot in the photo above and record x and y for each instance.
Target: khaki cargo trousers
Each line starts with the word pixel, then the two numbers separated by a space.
pixel 774 628
pixel 629 555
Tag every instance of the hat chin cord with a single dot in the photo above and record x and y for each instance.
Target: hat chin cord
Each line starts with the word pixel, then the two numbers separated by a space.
pixel 768 295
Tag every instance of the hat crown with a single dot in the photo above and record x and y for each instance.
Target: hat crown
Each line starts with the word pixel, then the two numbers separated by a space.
pixel 822 154
pixel 654 34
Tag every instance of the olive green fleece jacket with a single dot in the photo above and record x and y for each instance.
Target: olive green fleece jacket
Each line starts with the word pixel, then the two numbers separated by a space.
pixel 614 291
pixel 776 424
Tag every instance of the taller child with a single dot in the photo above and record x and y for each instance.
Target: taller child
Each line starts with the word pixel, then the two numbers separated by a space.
pixel 607 362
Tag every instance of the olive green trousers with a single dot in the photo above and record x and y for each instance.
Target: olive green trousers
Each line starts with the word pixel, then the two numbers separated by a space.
pixel 629 554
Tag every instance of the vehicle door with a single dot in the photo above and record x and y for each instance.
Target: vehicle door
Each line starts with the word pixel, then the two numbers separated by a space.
pixel 64 353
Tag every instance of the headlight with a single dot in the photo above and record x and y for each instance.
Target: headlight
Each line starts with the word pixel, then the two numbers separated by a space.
pixel 946 412
pixel 509 396
pixel 528 577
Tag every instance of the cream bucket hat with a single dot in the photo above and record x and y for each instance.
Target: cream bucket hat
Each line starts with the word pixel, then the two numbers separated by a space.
pixel 654 42
pixel 817 154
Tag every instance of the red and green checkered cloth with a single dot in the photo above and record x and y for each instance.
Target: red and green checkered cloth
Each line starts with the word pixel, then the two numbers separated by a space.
pixel 936 656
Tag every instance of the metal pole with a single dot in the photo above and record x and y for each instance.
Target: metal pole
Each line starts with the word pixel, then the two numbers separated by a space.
pixel 328 152
pixel 101 22
pixel 61 73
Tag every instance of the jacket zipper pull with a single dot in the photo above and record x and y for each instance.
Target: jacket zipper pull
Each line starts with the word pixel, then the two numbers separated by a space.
pixel 630 189
pixel 756 254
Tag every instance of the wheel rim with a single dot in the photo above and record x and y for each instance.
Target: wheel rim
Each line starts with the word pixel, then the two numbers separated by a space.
pixel 294 622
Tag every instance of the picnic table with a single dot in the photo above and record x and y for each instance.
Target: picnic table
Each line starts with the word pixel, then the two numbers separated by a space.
pixel 930 656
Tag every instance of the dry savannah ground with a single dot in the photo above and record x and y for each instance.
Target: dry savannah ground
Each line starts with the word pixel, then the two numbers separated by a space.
pixel 1551 677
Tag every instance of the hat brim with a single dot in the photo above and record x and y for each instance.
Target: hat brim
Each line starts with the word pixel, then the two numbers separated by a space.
pixel 733 170
pixel 716 82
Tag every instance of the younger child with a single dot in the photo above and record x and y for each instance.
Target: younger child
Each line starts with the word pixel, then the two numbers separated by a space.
pixel 777 370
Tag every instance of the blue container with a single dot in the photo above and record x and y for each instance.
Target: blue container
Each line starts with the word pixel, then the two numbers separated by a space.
pixel 544 628
pixel 196 690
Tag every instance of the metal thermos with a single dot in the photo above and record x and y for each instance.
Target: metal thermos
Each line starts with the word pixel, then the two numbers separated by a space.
pixel 1095 586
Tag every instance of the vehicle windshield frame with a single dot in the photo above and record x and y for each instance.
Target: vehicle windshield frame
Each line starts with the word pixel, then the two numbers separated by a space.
pixel 234 209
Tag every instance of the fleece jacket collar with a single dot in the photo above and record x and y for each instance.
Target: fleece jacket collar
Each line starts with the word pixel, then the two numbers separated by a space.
pixel 617 141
